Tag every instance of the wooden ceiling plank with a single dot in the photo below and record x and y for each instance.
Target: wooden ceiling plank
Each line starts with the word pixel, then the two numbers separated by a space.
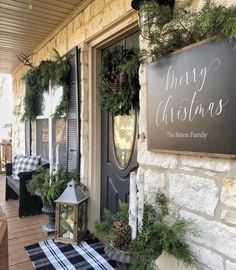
pixel 16 41
pixel 26 28
pixel 34 12
pixel 48 5
pixel 29 34
pixel 62 4
pixel 17 14
pixel 15 35
pixel 9 19
pixel 75 2
pixel 9 46
pixel 12 48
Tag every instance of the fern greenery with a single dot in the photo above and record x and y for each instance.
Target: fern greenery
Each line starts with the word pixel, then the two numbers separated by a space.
pixel 156 236
pixel 186 26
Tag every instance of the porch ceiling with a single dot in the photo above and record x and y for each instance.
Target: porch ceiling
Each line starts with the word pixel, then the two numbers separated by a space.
pixel 24 24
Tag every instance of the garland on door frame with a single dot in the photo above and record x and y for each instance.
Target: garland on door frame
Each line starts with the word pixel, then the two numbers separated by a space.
pixel 119 87
pixel 37 80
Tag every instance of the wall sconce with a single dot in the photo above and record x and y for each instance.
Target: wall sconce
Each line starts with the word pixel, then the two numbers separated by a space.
pixel 153 14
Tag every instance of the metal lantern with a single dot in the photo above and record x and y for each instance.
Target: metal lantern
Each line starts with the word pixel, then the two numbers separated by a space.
pixel 71 214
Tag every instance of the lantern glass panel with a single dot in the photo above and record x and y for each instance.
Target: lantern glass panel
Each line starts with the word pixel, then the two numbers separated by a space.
pixel 67 220
pixel 82 218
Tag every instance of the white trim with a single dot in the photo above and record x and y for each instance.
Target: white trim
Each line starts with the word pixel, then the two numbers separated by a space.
pixel 122 28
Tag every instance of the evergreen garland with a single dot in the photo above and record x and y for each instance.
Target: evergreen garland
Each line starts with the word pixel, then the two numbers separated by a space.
pixel 119 87
pixel 37 81
pixel 186 26
pixel 157 234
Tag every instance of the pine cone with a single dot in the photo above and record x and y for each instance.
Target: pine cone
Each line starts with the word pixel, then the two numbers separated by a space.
pixel 123 81
pixel 116 85
pixel 123 233
pixel 126 230
pixel 120 242
pixel 118 225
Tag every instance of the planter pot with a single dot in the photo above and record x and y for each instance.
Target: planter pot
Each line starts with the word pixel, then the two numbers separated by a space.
pixel 49 209
pixel 122 259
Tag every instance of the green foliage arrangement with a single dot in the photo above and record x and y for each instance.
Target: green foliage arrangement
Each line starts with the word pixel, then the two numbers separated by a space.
pixel 48 186
pixel 182 26
pixel 37 81
pixel 119 87
pixel 157 235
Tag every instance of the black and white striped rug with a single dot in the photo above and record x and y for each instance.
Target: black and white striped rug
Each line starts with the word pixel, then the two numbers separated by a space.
pixel 89 254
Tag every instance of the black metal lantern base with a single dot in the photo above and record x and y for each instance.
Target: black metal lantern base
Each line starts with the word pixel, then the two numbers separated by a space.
pixel 49 209
pixel 136 3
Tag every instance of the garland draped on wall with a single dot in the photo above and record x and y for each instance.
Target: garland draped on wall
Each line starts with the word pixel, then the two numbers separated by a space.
pixel 37 81
pixel 170 30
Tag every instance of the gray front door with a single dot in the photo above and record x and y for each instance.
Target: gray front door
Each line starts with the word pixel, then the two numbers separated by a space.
pixel 119 150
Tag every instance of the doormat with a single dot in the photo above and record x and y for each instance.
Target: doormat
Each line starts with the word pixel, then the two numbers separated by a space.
pixel 88 254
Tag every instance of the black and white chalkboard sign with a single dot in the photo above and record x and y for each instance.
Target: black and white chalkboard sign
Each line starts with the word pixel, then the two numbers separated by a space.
pixel 192 100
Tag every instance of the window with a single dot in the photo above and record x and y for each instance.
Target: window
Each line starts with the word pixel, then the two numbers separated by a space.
pixel 58 128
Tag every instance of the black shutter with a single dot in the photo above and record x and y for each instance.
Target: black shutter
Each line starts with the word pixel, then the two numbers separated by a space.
pixel 28 139
pixel 73 116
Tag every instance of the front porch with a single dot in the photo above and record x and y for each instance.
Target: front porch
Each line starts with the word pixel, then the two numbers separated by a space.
pixel 21 231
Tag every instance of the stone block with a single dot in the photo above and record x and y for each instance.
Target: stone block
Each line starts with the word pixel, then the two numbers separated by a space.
pixel 153 181
pixel 94 25
pixel 230 265
pixel 213 234
pixel 87 14
pixel 76 38
pixel 117 8
pixel 207 257
pixel 107 16
pixel 193 192
pixel 97 7
pixel 229 216
pixel 156 159
pixel 228 193
pixel 187 169
pixel 128 7
pixel 168 262
pixel 78 21
pixel 213 164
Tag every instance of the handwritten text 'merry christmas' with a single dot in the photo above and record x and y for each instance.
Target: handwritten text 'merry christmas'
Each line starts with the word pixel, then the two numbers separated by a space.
pixel 188 108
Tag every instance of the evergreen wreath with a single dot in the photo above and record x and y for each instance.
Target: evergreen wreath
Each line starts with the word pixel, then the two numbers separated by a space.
pixel 184 26
pixel 119 87
pixel 37 80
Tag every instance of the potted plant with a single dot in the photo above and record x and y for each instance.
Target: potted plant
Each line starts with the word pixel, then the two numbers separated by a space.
pixel 49 187
pixel 157 235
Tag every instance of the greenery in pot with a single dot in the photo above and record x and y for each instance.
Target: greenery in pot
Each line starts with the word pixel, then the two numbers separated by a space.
pixel 186 26
pixel 157 235
pixel 50 186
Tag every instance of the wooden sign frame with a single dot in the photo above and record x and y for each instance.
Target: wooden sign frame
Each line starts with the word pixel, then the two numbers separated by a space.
pixel 191 99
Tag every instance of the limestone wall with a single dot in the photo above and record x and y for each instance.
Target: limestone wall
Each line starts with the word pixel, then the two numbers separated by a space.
pixel 202 189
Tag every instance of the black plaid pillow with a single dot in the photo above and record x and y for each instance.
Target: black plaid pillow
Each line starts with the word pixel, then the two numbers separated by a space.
pixel 15 162
pixel 26 164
